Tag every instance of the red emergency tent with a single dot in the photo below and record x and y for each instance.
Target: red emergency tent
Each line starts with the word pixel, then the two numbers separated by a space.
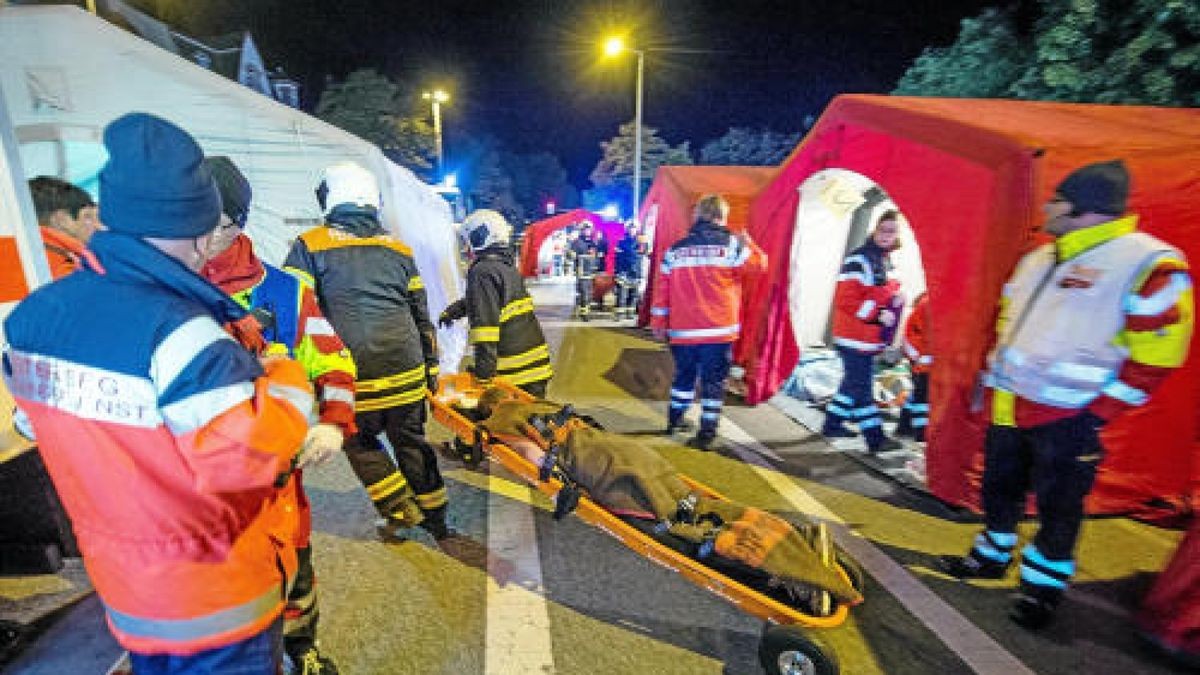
pixel 666 212
pixel 537 233
pixel 971 176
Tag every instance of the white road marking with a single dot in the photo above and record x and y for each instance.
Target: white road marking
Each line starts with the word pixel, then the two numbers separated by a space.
pixel 975 647
pixel 518 623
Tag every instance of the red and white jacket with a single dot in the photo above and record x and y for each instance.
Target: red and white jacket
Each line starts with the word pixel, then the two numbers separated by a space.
pixel 698 293
pixel 863 291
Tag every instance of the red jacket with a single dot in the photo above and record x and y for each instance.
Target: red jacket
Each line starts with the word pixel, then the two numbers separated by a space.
pixel 698 293
pixel 863 291
pixel 165 440
pixel 916 337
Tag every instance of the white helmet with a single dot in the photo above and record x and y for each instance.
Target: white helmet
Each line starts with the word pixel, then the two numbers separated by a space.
pixel 347 183
pixel 484 228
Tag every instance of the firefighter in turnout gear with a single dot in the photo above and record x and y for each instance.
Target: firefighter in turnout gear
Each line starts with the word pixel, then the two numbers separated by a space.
pixel 582 254
pixel 1089 326
pixel 505 333
pixel 631 251
pixel 291 324
pixel 369 288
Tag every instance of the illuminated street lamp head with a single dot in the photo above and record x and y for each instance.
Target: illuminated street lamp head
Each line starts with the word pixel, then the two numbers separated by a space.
pixel 438 95
pixel 614 46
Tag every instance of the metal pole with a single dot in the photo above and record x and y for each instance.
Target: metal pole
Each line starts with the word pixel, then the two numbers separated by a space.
pixel 16 206
pixel 437 135
pixel 637 139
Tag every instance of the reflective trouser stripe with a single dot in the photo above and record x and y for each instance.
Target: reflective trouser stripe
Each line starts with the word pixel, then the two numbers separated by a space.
pixel 409 376
pixel 542 372
pixel 432 500
pixel 995 546
pixel 1038 570
pixel 184 630
pixel 383 489
pixel 403 398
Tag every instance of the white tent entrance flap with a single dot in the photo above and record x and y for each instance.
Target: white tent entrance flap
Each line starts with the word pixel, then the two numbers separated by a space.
pixel 836 212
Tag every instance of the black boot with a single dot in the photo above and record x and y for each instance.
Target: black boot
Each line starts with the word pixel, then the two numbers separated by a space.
pixel 972 566
pixel 435 524
pixel 1033 607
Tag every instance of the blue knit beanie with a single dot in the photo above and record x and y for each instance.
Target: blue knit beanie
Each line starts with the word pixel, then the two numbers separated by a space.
pixel 155 183
pixel 1102 187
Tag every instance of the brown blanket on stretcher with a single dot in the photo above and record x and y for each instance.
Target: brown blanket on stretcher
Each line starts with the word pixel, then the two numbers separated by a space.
pixel 623 475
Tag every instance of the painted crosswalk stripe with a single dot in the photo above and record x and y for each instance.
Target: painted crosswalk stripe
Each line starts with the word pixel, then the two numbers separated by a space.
pixel 518 624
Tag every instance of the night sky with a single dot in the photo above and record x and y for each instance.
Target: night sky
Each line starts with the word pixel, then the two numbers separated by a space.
pixel 529 73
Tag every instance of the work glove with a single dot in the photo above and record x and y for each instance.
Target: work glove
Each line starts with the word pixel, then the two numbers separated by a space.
pixel 320 444
pixel 444 319
pixel 406 513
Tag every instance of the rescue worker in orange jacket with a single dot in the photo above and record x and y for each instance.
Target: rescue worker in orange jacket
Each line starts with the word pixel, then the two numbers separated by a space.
pixel 1089 326
pixel 697 306
pixel 369 288
pixel 866 309
pixel 292 325
pixel 166 440
pixel 67 218
pixel 914 416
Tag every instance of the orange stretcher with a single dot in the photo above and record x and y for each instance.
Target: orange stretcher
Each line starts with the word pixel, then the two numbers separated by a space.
pixel 784 648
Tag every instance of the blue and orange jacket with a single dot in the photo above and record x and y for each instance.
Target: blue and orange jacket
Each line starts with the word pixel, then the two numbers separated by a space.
pixel 698 293
pixel 165 440
pixel 863 290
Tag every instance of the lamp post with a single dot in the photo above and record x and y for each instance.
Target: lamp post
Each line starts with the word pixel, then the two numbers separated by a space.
pixel 436 98
pixel 614 46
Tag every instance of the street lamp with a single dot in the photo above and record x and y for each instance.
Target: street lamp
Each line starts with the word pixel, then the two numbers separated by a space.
pixel 615 46
pixel 437 97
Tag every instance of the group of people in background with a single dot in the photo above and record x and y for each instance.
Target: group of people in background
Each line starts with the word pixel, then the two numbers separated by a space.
pixel 194 369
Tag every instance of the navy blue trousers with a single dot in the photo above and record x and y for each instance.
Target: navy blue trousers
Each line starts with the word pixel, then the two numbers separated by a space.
pixel 854 401
pixel 1057 461
pixel 260 654
pixel 709 363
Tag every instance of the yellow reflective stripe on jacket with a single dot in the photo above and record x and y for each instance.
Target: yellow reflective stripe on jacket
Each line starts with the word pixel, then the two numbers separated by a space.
pixel 386 487
pixel 516 308
pixel 416 284
pixel 1004 408
pixel 325 238
pixel 543 372
pixel 1166 347
pixel 523 359
pixel 403 398
pixel 484 334
pixel 391 381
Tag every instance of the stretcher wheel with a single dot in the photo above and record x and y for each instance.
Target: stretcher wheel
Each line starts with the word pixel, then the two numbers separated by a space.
pixel 787 650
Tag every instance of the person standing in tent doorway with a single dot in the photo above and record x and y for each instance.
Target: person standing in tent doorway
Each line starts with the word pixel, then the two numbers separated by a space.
pixel 506 335
pixel 866 309
pixel 914 416
pixel 369 288
pixel 291 324
pixel 697 307
pixel 168 440
pixel 1089 326
pixel 630 251
pixel 67 218
pixel 583 258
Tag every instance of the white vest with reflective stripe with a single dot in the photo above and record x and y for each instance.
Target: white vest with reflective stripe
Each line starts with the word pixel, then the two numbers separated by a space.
pixel 1057 345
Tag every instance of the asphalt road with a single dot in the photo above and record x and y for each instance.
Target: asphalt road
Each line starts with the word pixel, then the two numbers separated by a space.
pixel 521 593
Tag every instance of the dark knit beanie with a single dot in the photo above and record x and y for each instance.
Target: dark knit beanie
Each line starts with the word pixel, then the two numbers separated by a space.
pixel 233 186
pixel 155 183
pixel 1097 188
